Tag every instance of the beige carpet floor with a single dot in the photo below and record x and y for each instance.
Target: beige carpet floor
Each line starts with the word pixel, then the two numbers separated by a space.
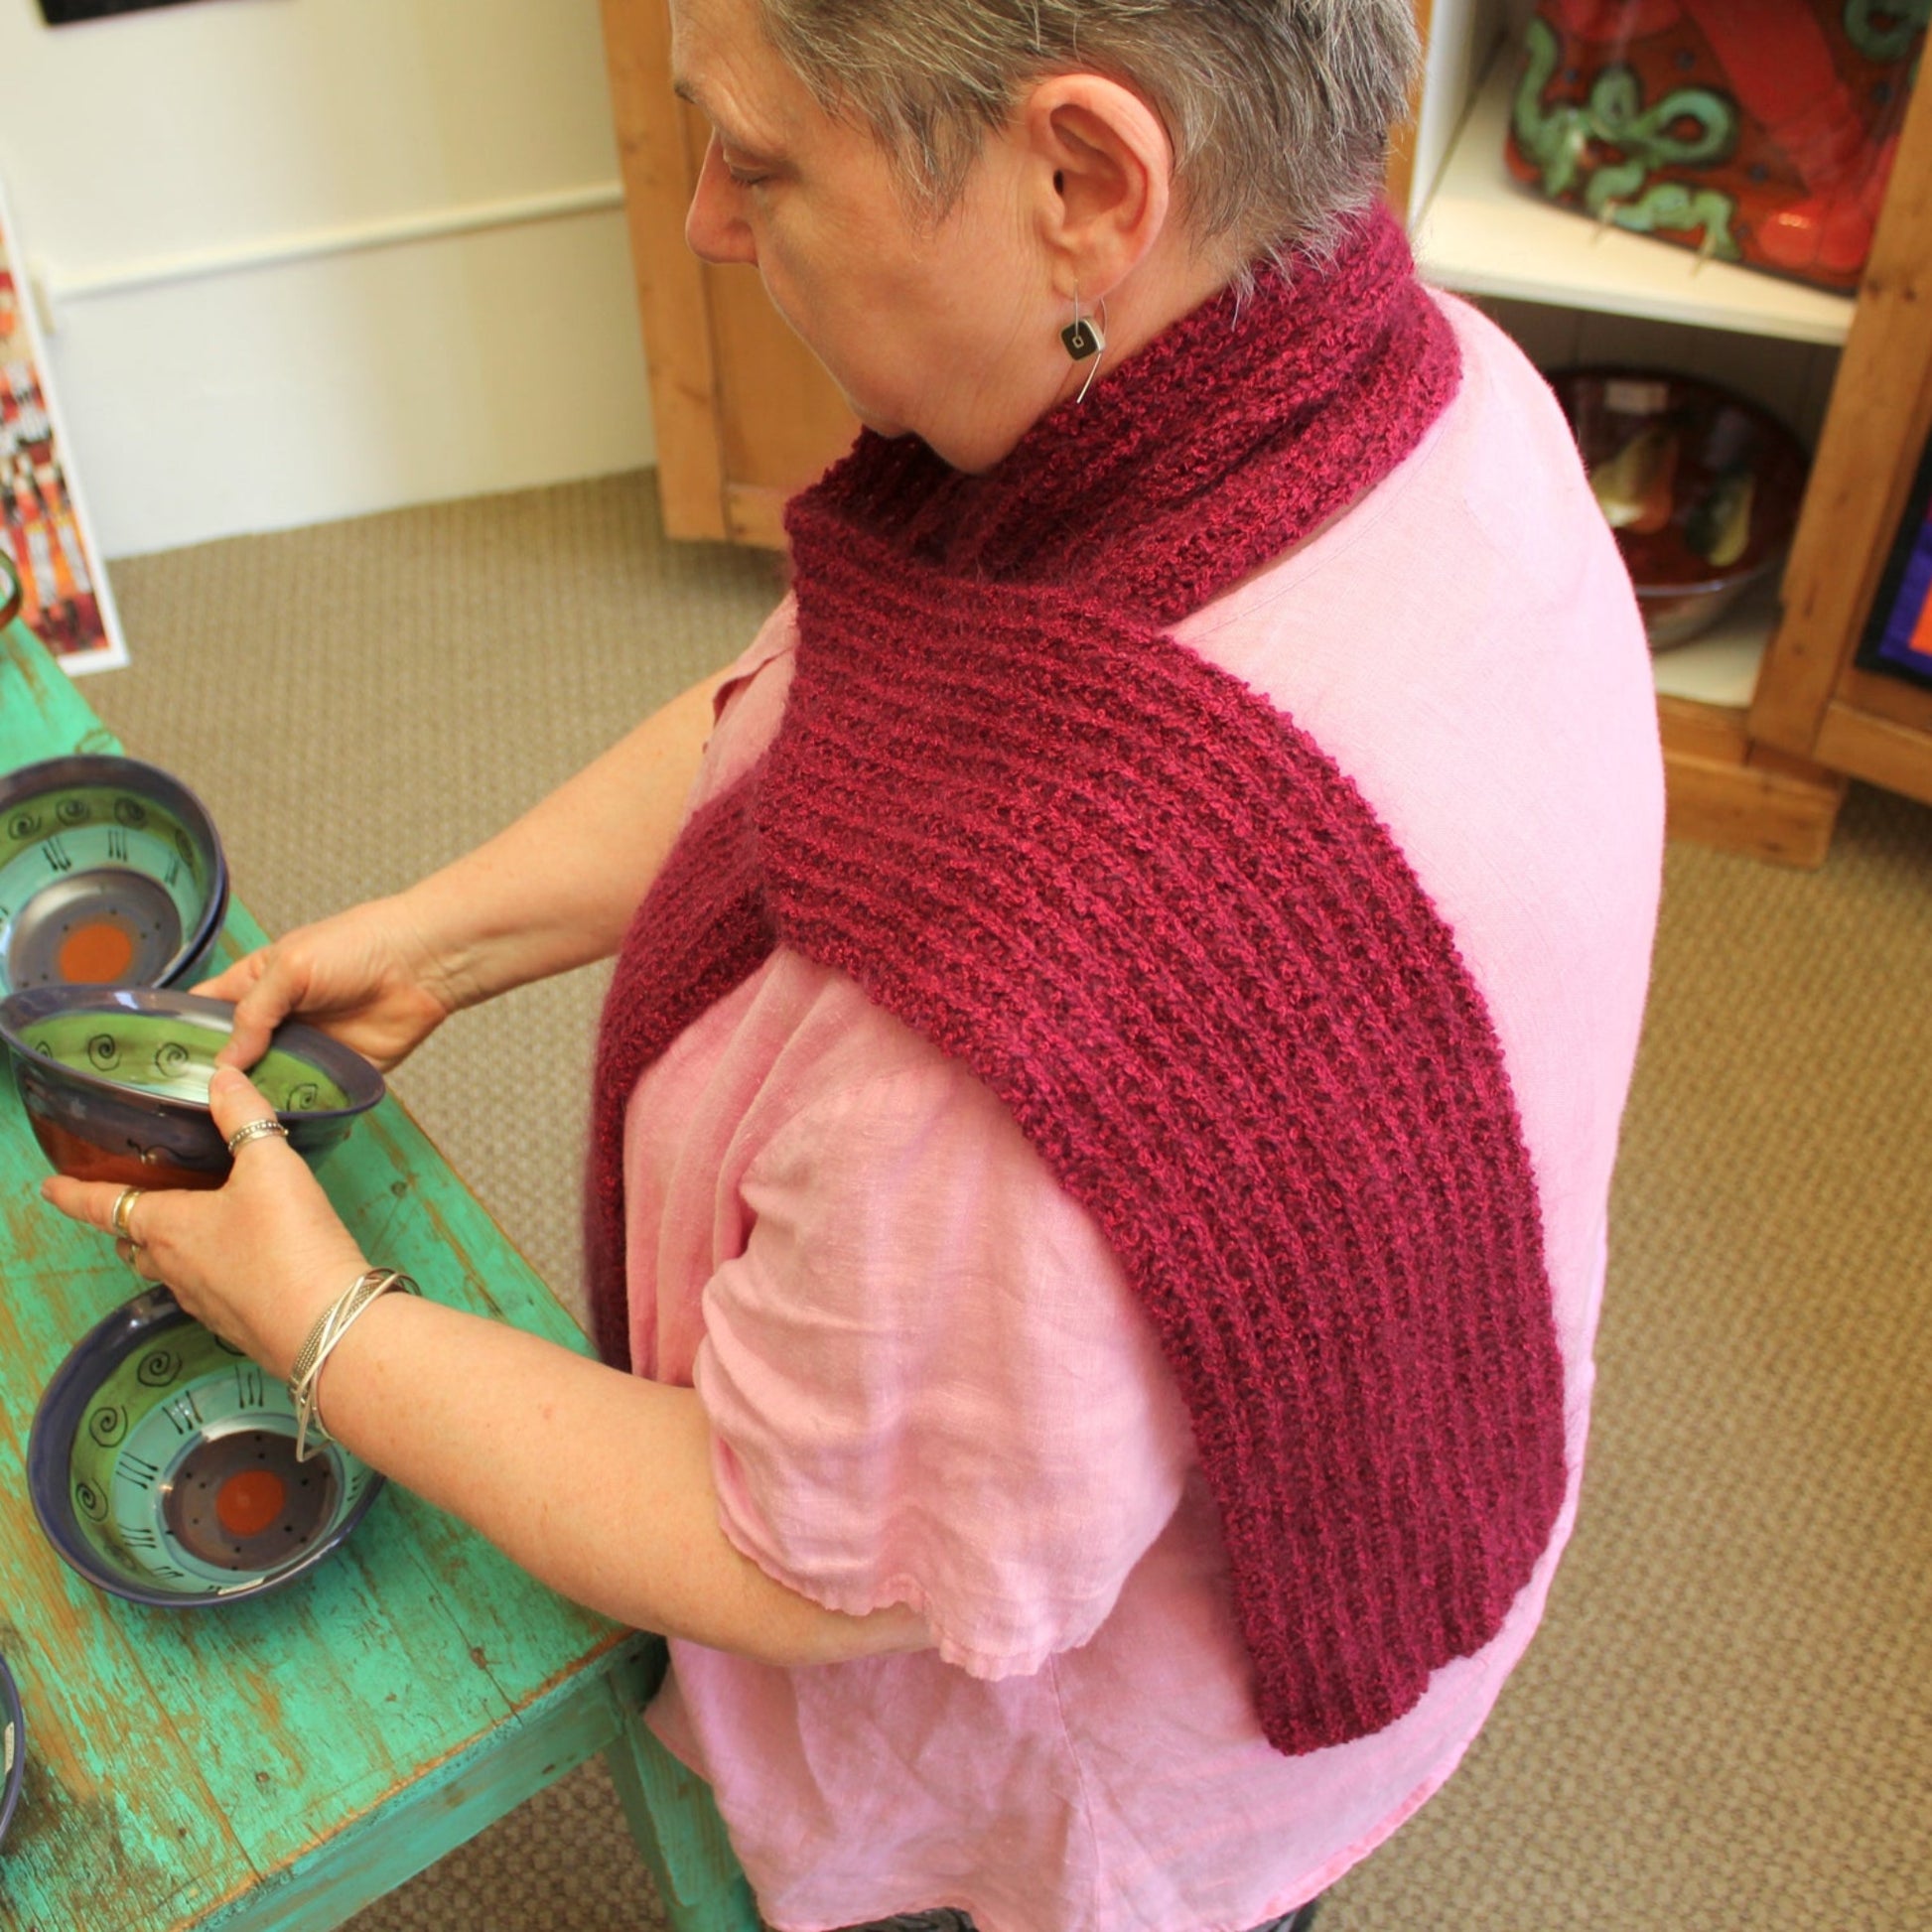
pixel 1726 1720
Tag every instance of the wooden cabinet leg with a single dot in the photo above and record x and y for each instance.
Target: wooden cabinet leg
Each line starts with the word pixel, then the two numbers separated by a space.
pixel 1726 791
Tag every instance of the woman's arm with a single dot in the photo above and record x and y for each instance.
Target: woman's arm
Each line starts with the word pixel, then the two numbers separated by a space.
pixel 554 890
pixel 595 1481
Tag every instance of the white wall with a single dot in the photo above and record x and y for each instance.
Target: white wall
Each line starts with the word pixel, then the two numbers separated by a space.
pixel 309 258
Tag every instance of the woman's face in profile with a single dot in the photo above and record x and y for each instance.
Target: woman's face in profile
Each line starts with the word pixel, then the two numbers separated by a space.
pixel 947 330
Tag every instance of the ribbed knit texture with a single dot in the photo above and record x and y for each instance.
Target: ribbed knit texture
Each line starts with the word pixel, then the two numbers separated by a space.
pixel 1161 924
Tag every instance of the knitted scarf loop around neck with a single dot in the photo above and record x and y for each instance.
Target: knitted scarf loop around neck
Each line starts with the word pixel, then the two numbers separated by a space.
pixel 1161 925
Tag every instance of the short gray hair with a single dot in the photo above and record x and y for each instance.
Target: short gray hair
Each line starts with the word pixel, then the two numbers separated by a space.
pixel 1279 110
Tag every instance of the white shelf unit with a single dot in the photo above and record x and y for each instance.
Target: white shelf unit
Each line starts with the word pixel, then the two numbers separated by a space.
pixel 1480 233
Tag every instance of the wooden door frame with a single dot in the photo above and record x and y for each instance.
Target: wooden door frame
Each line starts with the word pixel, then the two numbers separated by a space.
pixel 1398 178
pixel 660 171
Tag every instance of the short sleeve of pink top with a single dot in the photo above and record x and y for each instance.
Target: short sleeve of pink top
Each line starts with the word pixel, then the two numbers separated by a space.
pixel 927 1380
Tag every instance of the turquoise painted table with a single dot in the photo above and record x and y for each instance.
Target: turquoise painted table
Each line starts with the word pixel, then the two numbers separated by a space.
pixel 273 1766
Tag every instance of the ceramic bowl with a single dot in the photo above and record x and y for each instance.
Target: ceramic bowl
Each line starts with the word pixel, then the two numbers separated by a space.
pixel 1702 488
pixel 114 1081
pixel 111 874
pixel 162 1465
pixel 13 1746
pixel 11 593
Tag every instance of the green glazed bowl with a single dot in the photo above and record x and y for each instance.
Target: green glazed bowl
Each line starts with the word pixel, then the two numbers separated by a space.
pixel 13 1746
pixel 111 874
pixel 162 1465
pixel 114 1081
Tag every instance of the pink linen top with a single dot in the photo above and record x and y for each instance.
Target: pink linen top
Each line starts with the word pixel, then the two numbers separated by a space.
pixel 927 1378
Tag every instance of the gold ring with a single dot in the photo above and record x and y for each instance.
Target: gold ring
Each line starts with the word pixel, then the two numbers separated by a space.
pixel 254 1130
pixel 124 1214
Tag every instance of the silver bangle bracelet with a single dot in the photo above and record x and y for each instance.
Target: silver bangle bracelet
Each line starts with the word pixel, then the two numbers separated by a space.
pixel 334 1322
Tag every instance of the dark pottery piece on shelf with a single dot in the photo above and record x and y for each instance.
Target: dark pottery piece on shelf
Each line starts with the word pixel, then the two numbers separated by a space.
pixel 114 1081
pixel 11 593
pixel 111 874
pixel 162 1466
pixel 1701 486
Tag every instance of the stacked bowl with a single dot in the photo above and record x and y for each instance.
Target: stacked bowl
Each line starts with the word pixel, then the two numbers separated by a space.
pixel 111 874
pixel 161 1462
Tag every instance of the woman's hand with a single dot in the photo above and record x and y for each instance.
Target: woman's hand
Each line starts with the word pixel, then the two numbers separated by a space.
pixel 367 976
pixel 257 1259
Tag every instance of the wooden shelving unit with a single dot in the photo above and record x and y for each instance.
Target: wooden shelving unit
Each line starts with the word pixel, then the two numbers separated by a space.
pixel 1482 234
pixel 1721 668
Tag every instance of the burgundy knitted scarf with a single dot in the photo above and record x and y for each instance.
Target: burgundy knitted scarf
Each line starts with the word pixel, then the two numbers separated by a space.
pixel 1163 927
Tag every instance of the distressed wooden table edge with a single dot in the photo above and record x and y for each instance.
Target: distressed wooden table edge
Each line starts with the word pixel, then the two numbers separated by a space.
pixel 459 1798
pixel 559 1677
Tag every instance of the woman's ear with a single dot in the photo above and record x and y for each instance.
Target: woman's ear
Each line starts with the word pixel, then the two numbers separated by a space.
pixel 1105 170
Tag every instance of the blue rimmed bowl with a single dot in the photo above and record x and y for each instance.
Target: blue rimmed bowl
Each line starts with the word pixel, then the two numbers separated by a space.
pixel 111 874
pixel 13 1746
pixel 115 1081
pixel 162 1466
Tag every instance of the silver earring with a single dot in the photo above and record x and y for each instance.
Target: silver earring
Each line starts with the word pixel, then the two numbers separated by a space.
pixel 1081 336
pixel 1085 340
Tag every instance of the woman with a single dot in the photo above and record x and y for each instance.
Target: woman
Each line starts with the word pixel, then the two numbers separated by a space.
pixel 1105 1110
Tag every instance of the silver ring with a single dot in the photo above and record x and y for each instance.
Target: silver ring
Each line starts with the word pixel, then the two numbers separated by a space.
pixel 124 1214
pixel 254 1130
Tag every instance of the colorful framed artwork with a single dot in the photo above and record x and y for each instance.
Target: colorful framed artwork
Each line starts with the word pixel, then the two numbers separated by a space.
pixel 1898 637
pixel 43 527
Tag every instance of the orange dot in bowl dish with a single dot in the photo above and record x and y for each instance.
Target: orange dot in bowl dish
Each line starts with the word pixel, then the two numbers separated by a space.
pixel 95 954
pixel 249 1501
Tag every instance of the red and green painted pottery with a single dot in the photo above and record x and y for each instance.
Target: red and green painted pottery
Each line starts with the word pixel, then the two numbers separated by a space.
pixel 1754 131
pixel 162 1465
pixel 111 874
pixel 115 1081
pixel 1701 485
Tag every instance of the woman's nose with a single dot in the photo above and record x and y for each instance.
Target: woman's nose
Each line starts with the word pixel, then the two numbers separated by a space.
pixel 714 228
